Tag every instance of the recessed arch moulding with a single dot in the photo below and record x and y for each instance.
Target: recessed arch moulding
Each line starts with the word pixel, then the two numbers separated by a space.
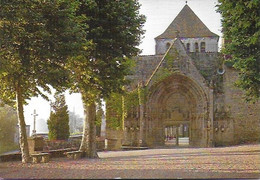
pixel 176 100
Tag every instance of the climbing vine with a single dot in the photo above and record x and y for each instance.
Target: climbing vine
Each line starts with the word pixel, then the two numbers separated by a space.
pixel 121 106
pixel 114 111
pixel 167 68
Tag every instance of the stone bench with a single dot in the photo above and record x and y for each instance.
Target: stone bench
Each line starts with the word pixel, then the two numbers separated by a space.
pixel 41 157
pixel 74 154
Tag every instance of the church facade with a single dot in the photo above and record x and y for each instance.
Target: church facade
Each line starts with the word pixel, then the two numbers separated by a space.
pixel 189 92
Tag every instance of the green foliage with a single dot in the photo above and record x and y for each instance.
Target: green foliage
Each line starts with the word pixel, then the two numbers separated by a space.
pixel 58 123
pixel 36 40
pixel 131 99
pixel 207 74
pixel 115 29
pixel 241 28
pixel 121 106
pixel 8 123
pixel 168 68
pixel 118 110
pixel 114 111
pixel 161 74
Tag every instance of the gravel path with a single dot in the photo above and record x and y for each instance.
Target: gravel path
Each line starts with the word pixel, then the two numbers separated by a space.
pixel 228 162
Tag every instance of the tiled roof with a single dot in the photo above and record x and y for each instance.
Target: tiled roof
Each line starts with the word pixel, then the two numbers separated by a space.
pixel 186 24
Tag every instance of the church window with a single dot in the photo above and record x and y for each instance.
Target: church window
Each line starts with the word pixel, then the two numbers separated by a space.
pixel 196 47
pixel 188 47
pixel 202 47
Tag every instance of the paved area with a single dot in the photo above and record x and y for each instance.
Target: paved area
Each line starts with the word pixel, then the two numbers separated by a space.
pixel 201 163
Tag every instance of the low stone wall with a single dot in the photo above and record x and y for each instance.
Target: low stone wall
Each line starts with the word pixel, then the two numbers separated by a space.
pixel 74 144
pixel 59 152
pixel 56 149
pixel 60 144
pixel 11 157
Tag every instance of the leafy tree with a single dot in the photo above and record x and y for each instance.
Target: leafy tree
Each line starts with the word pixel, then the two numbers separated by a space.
pixel 115 28
pixel 36 38
pixel 58 123
pixel 8 122
pixel 241 28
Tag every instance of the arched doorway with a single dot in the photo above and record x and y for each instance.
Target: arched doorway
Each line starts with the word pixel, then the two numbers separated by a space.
pixel 174 102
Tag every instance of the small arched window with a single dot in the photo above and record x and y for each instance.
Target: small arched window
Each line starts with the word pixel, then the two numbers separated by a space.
pixel 196 47
pixel 188 47
pixel 202 47
pixel 168 46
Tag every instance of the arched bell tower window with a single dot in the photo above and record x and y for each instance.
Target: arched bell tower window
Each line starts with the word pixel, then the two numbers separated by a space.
pixel 188 47
pixel 202 47
pixel 196 47
pixel 168 46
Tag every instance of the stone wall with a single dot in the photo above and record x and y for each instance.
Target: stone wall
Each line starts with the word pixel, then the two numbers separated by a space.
pixel 114 139
pixel 145 65
pixel 223 124
pixel 206 63
pixel 162 45
pixel 220 116
pixel 211 44
pixel 245 116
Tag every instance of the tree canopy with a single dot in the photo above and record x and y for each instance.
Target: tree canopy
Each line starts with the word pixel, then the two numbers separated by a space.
pixel 53 42
pixel 115 29
pixel 241 29
pixel 37 39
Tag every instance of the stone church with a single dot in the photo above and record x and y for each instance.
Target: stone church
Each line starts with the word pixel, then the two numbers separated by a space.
pixel 190 92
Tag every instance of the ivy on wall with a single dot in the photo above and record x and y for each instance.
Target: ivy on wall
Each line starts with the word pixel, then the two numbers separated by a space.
pixel 168 67
pixel 121 106
pixel 114 111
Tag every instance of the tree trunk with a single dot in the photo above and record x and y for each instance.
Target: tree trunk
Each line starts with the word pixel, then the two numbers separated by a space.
pixel 84 141
pixel 92 131
pixel 88 142
pixel 22 126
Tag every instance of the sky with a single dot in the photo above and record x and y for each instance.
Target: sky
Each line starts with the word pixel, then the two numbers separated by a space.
pixel 159 14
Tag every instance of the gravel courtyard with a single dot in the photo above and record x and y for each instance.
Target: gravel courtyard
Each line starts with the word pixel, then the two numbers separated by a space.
pixel 228 162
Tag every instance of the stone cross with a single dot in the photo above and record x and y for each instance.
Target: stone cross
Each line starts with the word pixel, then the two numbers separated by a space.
pixel 34 121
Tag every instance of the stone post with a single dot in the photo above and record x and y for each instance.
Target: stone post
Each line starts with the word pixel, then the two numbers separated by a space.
pixel 35 143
